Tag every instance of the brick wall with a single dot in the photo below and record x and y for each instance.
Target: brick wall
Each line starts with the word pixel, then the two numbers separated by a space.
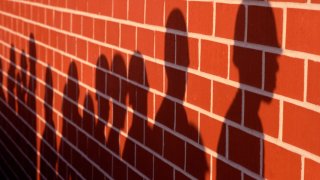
pixel 156 89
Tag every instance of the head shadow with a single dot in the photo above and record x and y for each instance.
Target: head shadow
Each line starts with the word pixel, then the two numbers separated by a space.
pixel 48 142
pixel 255 69
pixel 71 120
pixel 171 112
pixel 118 92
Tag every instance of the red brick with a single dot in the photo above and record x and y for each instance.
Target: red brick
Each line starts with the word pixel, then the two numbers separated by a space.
pixel 174 149
pixel 261 113
pixel 247 177
pixel 93 53
pixel 81 5
pixel 113 33
pixel 199 91
pixel 71 49
pixel 136 127
pixel 213 134
pixel 244 149
pixel 278 77
pixel 246 66
pixel 165 111
pixel 301 128
pixel 113 84
pixel 266 21
pixel 107 52
pixel 187 52
pixel 162 170
pixel 154 137
pixel 136 11
pixel 302 33
pixel 176 14
pixel 99 30
pixel 214 58
pixel 57 19
pixel 87 26
pixel 230 21
pixel 128 37
pixel 180 176
pixel 227 101
pixel 86 79
pixel 154 75
pixel 201 17
pixel 300 1
pixel 76 24
pixel 120 9
pixel 82 48
pixel 311 169
pixel 66 23
pixel 280 163
pixel 187 122
pixel 119 169
pixel 145 41
pixel 175 82
pixel 155 12
pixel 100 7
pixel 133 175
pixel 221 170
pixel 202 161
pixel 143 100
pixel 313 86
pixel 136 69
pixel 144 161
pixel 165 46
pixel 119 64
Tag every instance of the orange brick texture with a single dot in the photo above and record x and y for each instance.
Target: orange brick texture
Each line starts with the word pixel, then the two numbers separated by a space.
pixel 160 89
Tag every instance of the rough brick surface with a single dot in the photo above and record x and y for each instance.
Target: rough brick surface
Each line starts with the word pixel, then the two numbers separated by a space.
pixel 159 89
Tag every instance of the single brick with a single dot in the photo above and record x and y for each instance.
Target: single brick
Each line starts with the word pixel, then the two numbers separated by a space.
pixel 145 41
pixel 302 30
pixel 300 127
pixel 199 91
pixel 201 17
pixel 280 163
pixel 230 21
pixel 311 169
pixel 155 12
pixel 214 58
pixel 313 86
pixel 128 37
pixel 136 11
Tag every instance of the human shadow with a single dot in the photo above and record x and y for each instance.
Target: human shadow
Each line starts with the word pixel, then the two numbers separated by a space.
pixel 138 101
pixel 48 142
pixel 117 90
pixel 21 88
pixel 173 114
pixel 2 95
pixel 84 145
pixel 31 116
pixel 12 74
pixel 240 146
pixel 71 120
pixel 99 154
pixel 22 85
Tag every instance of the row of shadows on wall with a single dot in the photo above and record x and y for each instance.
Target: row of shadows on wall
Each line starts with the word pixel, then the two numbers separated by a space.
pixel 83 135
